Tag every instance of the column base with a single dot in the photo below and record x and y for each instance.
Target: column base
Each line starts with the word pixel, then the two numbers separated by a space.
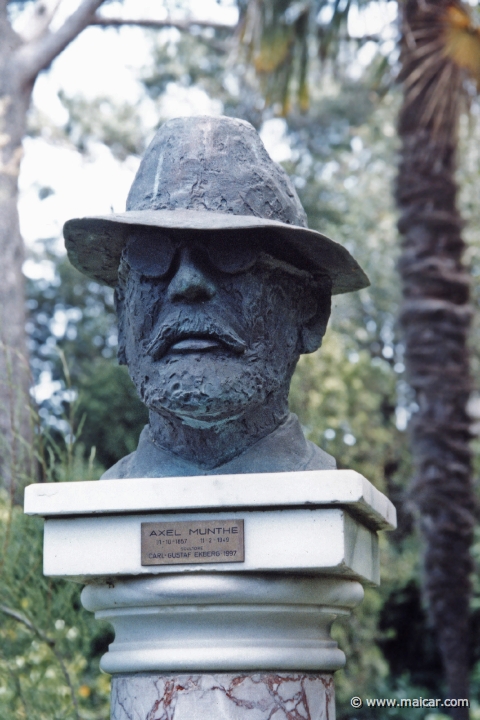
pixel 225 696
pixel 220 622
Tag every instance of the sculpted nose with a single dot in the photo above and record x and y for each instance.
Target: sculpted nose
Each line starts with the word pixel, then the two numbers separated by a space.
pixel 189 282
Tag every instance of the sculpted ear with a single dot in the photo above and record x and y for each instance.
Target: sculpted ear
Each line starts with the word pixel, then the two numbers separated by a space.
pixel 317 307
pixel 119 298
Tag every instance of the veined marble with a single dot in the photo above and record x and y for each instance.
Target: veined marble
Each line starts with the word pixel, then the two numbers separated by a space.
pixel 261 696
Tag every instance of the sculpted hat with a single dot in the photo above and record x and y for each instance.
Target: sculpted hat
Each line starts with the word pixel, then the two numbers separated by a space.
pixel 210 175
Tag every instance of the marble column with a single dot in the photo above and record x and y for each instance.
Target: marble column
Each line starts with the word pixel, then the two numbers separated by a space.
pixel 222 696
pixel 223 646
pixel 230 639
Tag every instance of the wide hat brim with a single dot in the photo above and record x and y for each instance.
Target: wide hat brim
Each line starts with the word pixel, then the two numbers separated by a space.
pixel 95 244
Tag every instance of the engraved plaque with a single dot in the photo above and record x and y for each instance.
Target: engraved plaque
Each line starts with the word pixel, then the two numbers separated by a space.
pixel 192 542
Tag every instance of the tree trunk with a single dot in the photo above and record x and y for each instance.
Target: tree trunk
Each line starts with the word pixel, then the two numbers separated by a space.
pixel 16 455
pixel 435 317
pixel 21 60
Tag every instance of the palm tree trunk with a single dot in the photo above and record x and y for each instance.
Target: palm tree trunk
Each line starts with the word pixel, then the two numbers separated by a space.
pixel 435 317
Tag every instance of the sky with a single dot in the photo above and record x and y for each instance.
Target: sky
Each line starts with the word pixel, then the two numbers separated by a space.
pixel 99 62
pixel 110 62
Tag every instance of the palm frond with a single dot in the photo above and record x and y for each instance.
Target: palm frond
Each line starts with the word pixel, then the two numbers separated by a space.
pixel 462 40
pixel 277 36
pixel 439 51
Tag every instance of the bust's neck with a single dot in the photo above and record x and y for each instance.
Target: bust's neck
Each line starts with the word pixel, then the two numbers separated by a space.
pixel 218 443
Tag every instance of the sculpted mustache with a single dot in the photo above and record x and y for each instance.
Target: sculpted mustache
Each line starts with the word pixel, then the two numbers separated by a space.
pixel 170 333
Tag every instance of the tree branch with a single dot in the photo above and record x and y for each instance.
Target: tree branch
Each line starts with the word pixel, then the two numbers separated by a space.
pixel 183 25
pixel 41 17
pixel 19 617
pixel 37 55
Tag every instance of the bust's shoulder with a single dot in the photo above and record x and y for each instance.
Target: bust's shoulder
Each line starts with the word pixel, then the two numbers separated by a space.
pixel 126 467
pixel 319 459
pixel 286 449
pixel 150 461
pixel 120 470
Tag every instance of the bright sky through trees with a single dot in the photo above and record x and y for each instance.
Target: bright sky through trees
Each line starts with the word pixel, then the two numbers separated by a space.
pixel 101 62
pixel 109 62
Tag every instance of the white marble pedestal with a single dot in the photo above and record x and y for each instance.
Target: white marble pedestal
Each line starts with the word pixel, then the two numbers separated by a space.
pixel 219 638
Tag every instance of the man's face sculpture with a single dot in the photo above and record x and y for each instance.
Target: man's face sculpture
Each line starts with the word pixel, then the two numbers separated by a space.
pixel 220 284
pixel 210 326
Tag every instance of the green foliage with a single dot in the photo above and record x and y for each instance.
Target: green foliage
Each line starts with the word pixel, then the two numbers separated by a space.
pixel 351 396
pixel 281 37
pixel 49 646
pixel 205 60
pixel 346 402
pixel 105 393
pixel 116 125
pixel 276 36
pixel 72 318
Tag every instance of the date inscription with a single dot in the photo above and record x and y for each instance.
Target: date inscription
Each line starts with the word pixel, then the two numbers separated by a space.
pixel 192 542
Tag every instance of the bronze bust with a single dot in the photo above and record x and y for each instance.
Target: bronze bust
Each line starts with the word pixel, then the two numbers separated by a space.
pixel 219 287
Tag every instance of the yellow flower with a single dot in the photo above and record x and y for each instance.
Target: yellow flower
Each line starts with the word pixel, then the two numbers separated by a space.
pixel 84 691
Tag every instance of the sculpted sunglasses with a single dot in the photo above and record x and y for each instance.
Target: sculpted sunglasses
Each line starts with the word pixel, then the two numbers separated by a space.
pixel 154 257
pixel 154 254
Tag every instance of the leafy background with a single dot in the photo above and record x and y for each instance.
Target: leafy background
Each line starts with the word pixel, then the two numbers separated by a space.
pixel 351 396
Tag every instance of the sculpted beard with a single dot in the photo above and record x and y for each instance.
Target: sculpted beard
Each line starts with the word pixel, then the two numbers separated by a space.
pixel 212 387
pixel 201 395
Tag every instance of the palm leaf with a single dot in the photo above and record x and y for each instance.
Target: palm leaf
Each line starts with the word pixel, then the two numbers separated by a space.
pixel 441 49
pixel 462 40
pixel 276 36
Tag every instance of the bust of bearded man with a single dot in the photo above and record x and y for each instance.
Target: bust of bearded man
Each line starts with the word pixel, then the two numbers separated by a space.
pixel 219 287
